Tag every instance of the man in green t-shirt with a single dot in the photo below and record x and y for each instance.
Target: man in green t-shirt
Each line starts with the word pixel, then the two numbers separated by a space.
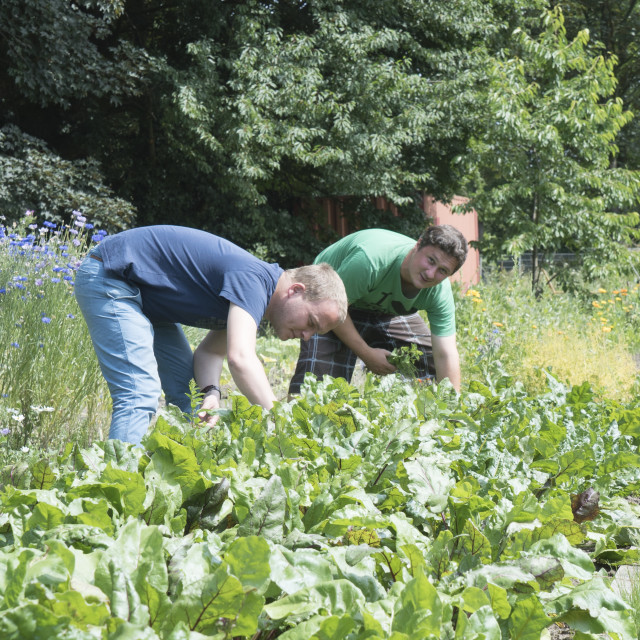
pixel 389 278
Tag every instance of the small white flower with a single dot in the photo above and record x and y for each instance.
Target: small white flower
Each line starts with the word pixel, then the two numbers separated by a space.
pixel 18 417
pixel 25 449
pixel 41 409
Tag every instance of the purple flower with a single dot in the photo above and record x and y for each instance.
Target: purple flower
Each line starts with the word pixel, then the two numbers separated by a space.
pixel 4 432
pixel 46 320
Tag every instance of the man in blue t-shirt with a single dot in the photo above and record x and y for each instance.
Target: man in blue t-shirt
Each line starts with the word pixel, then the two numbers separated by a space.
pixel 137 287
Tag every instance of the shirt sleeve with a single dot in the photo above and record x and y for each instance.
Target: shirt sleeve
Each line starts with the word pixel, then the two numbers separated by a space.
pixel 441 311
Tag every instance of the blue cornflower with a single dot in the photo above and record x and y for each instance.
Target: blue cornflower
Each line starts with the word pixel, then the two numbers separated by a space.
pixel 55 279
pixel 4 432
pixel 19 286
pixel 15 344
pixel 68 278
pixel 49 225
pixel 88 225
pixel 71 316
pixel 46 320
pixel 3 290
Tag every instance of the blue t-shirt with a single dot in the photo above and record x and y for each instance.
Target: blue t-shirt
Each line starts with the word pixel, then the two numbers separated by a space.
pixel 189 276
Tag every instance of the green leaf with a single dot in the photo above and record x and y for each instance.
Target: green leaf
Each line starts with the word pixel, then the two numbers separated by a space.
pixel 418 609
pixel 267 513
pixel 592 607
pixel 132 488
pixel 337 597
pixel 428 484
pixel 248 560
pixel 213 603
pixel 42 475
pixel 527 619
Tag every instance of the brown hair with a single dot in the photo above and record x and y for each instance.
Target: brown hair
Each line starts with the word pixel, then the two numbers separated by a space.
pixel 447 238
pixel 321 283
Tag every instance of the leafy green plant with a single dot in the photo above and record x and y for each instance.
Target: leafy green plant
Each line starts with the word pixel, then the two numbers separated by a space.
pixel 405 359
pixel 401 513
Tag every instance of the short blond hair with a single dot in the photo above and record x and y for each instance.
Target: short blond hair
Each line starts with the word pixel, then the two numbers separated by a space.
pixel 321 283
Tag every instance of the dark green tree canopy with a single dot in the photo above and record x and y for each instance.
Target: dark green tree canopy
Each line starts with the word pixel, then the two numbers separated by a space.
pixel 234 115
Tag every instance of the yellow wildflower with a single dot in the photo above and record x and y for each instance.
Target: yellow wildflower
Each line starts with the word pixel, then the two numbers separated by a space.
pixel 601 290
pixel 498 324
pixel 607 329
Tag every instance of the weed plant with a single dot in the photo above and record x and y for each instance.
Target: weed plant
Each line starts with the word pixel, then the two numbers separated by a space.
pixel 575 339
pixel 51 388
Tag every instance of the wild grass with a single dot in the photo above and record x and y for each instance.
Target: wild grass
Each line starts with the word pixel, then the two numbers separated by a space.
pixel 51 388
pixel 591 339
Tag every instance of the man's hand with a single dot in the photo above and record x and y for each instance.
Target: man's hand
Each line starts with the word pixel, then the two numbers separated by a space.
pixel 210 401
pixel 376 361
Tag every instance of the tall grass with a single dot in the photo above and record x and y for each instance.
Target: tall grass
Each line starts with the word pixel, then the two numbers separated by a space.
pixel 51 388
pixel 595 339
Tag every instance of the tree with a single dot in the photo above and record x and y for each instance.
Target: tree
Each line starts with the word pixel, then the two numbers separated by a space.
pixel 224 115
pixel 55 55
pixel 541 172
pixel 614 24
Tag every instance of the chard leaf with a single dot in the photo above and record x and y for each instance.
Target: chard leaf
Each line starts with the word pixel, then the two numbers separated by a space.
pixel 527 619
pixel 248 560
pixel 293 571
pixel 592 607
pixel 337 597
pixel 131 486
pixel 42 475
pixel 266 517
pixel 216 603
pixel 419 609
pixel 428 484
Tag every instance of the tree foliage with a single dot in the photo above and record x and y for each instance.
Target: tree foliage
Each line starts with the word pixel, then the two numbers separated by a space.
pixel 233 116
pixel 614 24
pixel 543 178
pixel 224 115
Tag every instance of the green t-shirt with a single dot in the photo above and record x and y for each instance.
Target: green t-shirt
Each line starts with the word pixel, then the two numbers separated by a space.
pixel 369 264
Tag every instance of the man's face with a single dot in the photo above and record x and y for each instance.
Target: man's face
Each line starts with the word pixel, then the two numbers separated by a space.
pixel 427 267
pixel 296 317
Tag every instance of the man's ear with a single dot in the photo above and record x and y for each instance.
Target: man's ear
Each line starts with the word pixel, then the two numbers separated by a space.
pixel 296 287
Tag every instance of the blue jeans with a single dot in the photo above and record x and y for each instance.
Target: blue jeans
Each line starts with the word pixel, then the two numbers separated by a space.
pixel 139 359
